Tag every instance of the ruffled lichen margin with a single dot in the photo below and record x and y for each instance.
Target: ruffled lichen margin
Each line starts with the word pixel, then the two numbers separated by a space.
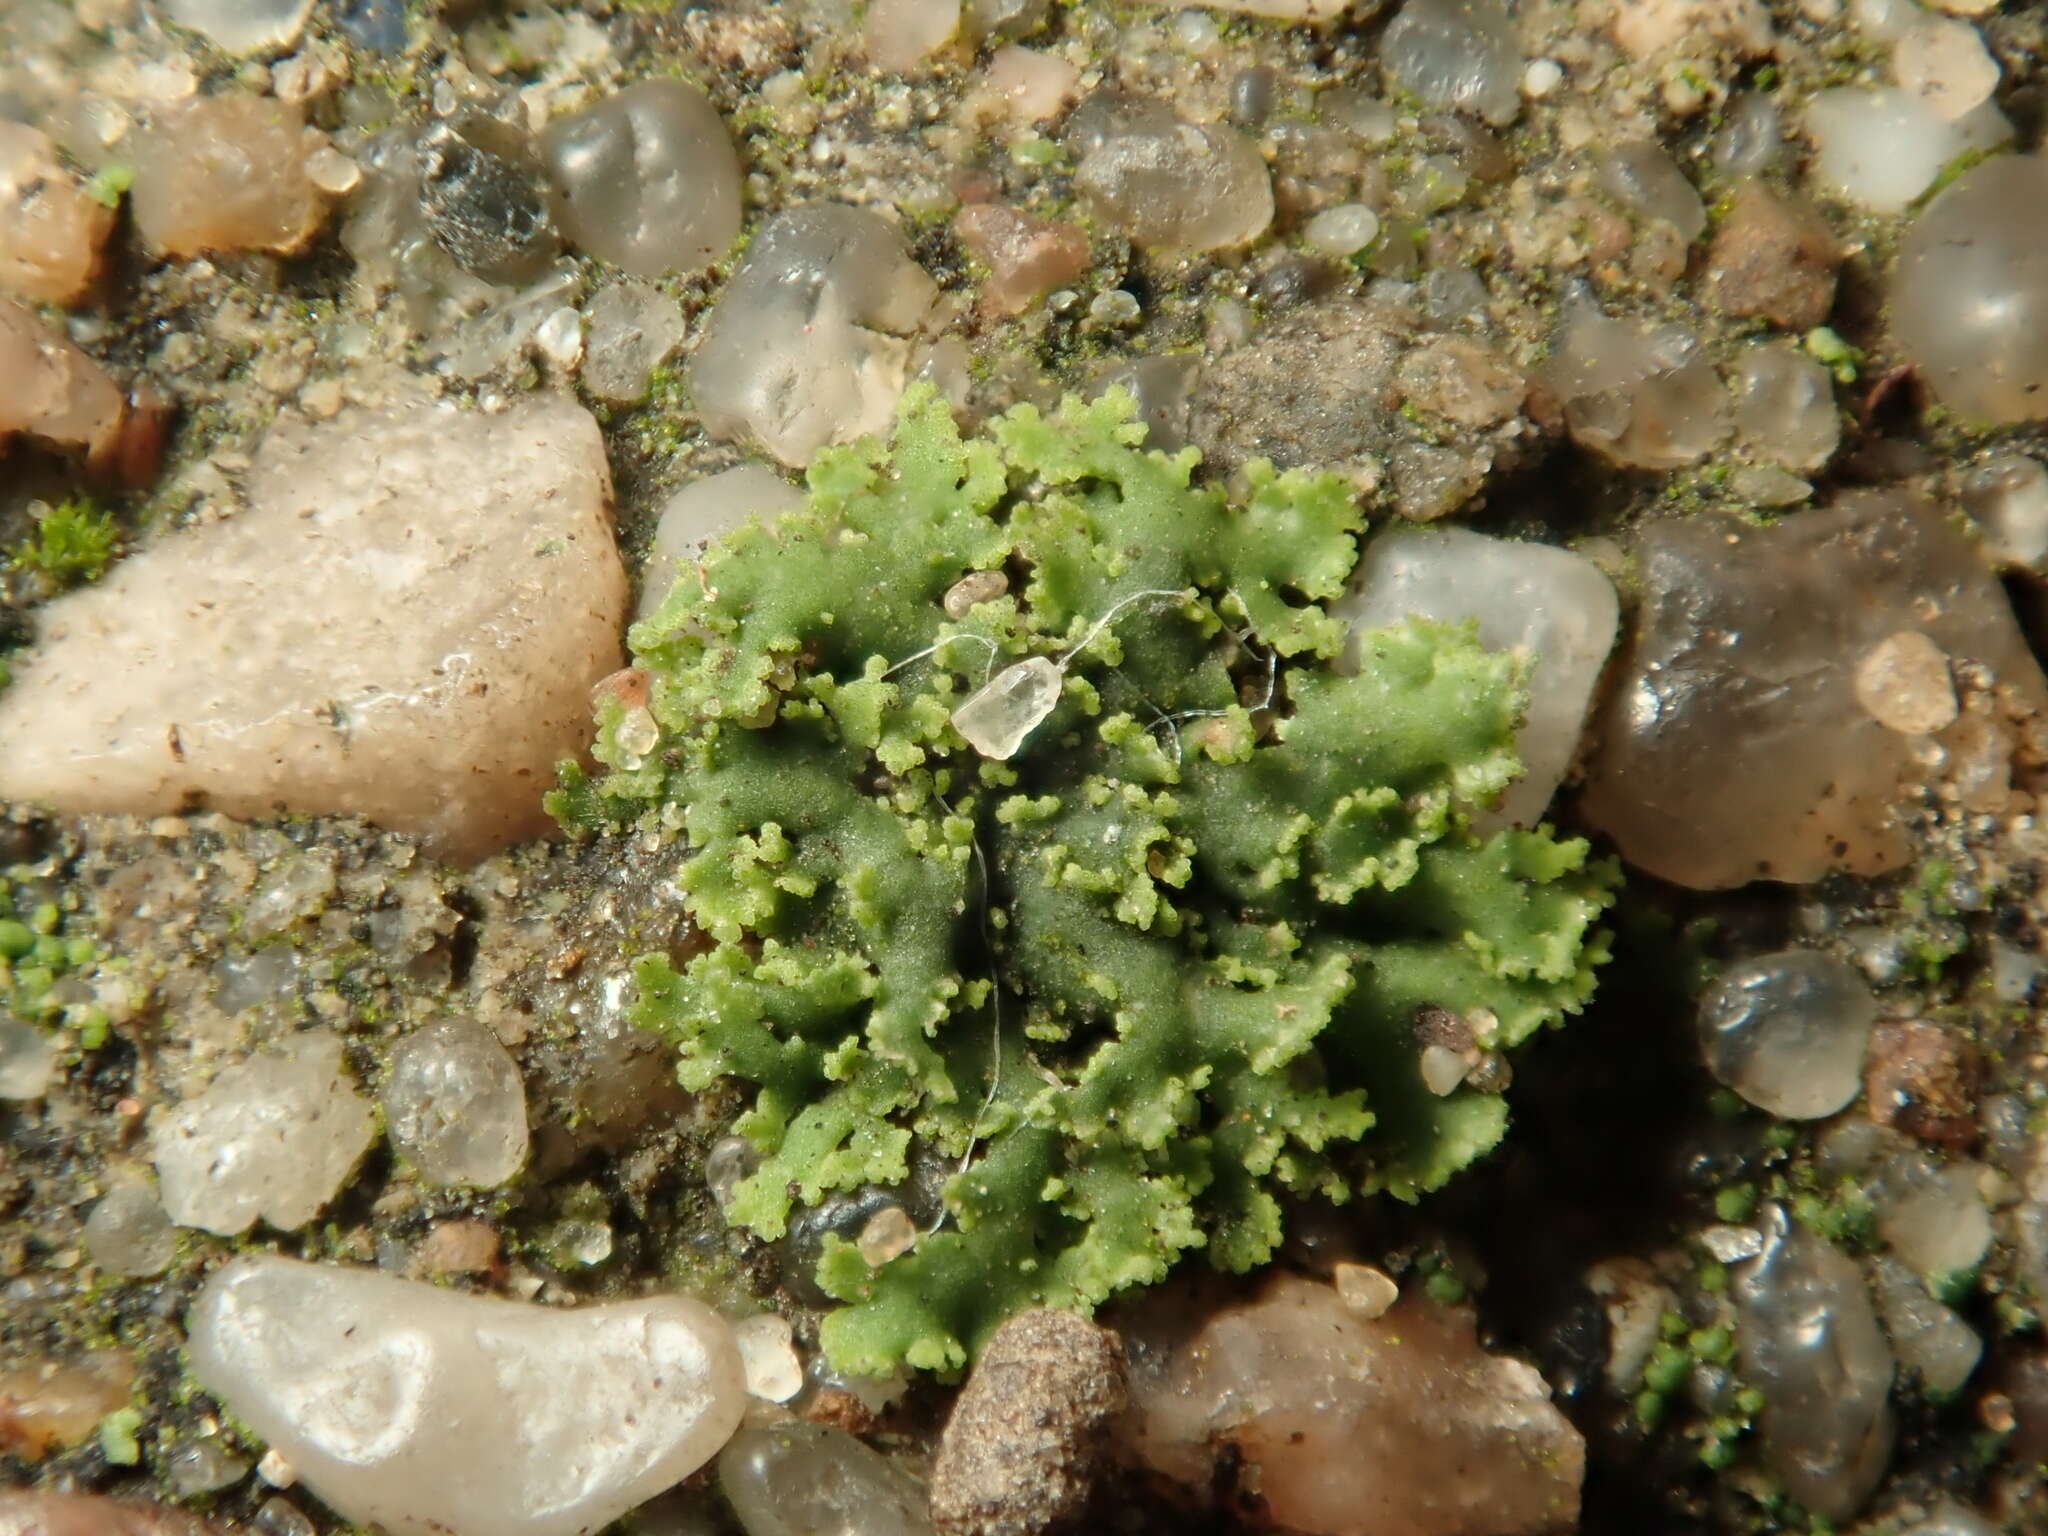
pixel 1145 982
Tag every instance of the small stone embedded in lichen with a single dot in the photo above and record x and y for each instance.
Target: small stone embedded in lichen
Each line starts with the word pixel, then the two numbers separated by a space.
pixel 1009 707
pixel 1364 1289
pixel 1213 937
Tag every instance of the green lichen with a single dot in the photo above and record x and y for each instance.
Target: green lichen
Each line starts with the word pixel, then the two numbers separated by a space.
pixel 72 542
pixel 1144 982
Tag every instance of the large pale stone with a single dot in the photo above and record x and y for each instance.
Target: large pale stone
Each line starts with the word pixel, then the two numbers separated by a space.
pixel 429 1412
pixel 404 624
pixel 1549 604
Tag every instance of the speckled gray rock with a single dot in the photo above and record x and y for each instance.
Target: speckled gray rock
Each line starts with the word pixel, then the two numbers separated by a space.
pixel 1811 1344
pixel 1024 1446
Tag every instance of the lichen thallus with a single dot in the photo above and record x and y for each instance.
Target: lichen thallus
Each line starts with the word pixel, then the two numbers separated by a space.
pixel 995 720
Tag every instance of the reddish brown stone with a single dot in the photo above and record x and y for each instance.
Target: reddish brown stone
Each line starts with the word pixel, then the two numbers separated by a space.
pixel 1774 257
pixel 1026 256
pixel 1922 1079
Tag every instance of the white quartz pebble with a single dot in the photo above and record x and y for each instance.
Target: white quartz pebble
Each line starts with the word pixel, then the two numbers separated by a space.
pixel 242 26
pixel 274 1137
pixel 1881 148
pixel 1548 602
pixel 432 1413
pixel 455 1106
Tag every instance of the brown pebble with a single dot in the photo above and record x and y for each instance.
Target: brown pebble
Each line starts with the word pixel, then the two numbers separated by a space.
pixel 840 1409
pixel 51 227
pixel 1773 257
pixel 458 1248
pixel 1922 1079
pixel 1025 1444
pixel 1026 256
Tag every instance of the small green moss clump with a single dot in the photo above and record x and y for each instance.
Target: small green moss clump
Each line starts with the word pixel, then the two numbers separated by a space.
pixel 1144 981
pixel 72 543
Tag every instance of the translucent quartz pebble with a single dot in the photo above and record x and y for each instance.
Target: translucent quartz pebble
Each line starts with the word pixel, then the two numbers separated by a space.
pixel 404 624
pixel 454 1105
pixel 1969 297
pixel 1811 1344
pixel 433 1413
pixel 1549 603
pixel 806 344
pixel 128 1231
pixel 222 173
pixel 1744 653
pixel 704 510
pixel 1399 1424
pixel 1931 1213
pixel 798 1479
pixel 646 179
pixel 1171 186
pixel 1788 1031
pixel 28 1059
pixel 241 26
pixel 1640 176
pixel 634 327
pixel 1009 706
pixel 1880 148
pixel 51 229
pixel 767 1347
pixel 2008 498
pixel 1928 1336
pixel 1785 406
pixel 1648 399
pixel 274 1137
pixel 1457 54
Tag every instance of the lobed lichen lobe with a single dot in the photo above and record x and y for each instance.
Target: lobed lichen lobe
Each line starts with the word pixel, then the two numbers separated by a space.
pixel 1150 976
